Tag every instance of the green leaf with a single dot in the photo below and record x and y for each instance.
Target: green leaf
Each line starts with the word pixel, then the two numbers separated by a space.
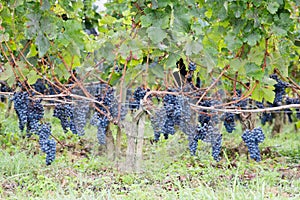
pixel 157 70
pixel 278 31
pixel 253 38
pixel 32 77
pixel 32 52
pixel 210 62
pixel 208 13
pixel 49 27
pixel 192 47
pixel 237 64
pixel 4 37
pixel 42 43
pixel 171 61
pixel 256 55
pixel 108 20
pixel 233 42
pixel 273 7
pixel 156 34
pixel 45 5
pixel 146 21
pixel 261 93
pixel 254 71
pixel 32 25
pixel 7 73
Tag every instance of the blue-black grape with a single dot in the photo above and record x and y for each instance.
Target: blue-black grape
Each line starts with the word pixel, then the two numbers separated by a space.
pixel 243 103
pixel 229 122
pixel 40 86
pixel 251 139
pixel 138 95
pixel 65 113
pixel 81 110
pixel 204 117
pixel 47 145
pixel 21 102
pixel 207 133
pixel 35 114
pixel 216 148
pixel 102 122
pixel 192 66
pixel 289 111
pixel 280 87
pixel 108 106
pixel 4 88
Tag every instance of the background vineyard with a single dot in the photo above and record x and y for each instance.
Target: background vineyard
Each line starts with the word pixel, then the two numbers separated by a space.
pixel 172 91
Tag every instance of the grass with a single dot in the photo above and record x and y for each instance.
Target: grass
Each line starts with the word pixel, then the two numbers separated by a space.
pixel 80 171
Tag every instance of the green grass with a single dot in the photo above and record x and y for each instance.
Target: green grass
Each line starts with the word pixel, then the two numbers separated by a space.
pixel 168 170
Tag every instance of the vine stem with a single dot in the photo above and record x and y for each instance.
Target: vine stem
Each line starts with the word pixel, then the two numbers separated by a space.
pixel 242 98
pixel 266 54
pixel 238 111
pixel 58 141
pixel 146 70
pixel 121 88
pixel 289 79
pixel 213 84
pixel 234 83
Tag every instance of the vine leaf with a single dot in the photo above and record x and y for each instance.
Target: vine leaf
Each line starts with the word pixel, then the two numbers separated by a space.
pixel 254 71
pixel 171 61
pixel 4 37
pixel 237 65
pixel 156 34
pixel 253 38
pixel 33 24
pixel 42 43
pixel 273 7
pixel 261 93
pixel 146 21
pixel 256 55
pixel 32 51
pixel 209 60
pixel 7 73
pixel 233 42
pixel 192 47
pixel 32 77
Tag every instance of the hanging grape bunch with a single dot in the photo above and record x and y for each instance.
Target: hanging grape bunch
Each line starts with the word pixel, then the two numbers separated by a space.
pixel 229 122
pixel 252 139
pixel 138 95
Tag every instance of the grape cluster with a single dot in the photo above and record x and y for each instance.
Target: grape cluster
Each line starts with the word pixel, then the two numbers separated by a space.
pixel 229 122
pixel 4 88
pixel 243 103
pixel 280 87
pixel 81 110
pixel 138 95
pixel 102 122
pixel 165 119
pixel 35 114
pixel 65 113
pixel 217 147
pixel 251 139
pixel 192 66
pixel 100 117
pixel 204 117
pixel 265 116
pixel 207 133
pixel 293 101
pixel 201 133
pixel 40 86
pixel 21 103
pixel 47 145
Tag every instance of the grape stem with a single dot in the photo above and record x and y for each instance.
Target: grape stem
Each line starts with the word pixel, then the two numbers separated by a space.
pixel 213 84
pixel 238 111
